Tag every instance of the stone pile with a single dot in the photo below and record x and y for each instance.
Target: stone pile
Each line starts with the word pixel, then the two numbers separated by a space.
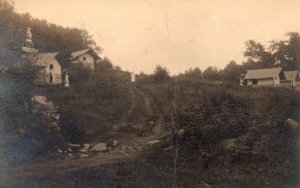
pixel 50 114
pixel 86 150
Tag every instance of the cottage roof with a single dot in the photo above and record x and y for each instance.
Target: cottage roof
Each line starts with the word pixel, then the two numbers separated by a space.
pixel 290 75
pixel 81 52
pixel 263 73
pixel 44 58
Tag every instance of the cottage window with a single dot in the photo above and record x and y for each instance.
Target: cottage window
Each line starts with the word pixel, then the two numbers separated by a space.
pixel 254 82
pixel 84 58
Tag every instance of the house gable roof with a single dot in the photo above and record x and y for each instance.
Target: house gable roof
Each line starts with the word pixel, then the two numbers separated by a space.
pixel 290 75
pixel 44 58
pixel 263 73
pixel 81 52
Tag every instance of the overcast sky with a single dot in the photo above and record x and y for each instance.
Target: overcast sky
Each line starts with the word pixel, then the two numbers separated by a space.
pixel 179 34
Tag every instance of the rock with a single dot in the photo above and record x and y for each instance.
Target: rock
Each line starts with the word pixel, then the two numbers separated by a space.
pixel 59 151
pixel 229 144
pixel 204 185
pixel 115 143
pixel 69 150
pixel 53 124
pixel 41 100
pixel 70 155
pixel 83 155
pixel 83 151
pixel 130 148
pixel 169 148
pixel 85 148
pixel 56 129
pixel 56 116
pixel 292 125
pixel 73 145
pixel 151 122
pixel 152 142
pixel 99 147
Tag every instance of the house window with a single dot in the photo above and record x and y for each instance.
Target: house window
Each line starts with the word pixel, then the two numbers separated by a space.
pixel 51 67
pixel 84 58
pixel 254 82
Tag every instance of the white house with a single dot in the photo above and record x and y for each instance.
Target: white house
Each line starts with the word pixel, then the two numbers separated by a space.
pixel 50 72
pixel 264 77
pixel 88 57
pixel 291 78
pixel 271 77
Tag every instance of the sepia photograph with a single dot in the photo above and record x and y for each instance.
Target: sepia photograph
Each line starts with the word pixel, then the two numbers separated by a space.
pixel 149 94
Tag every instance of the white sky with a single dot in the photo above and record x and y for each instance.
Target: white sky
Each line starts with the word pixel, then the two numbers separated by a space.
pixel 179 34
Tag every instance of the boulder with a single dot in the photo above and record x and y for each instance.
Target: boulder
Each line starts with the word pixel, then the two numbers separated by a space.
pixel 83 155
pixel 85 148
pixel 204 185
pixel 115 143
pixel 69 150
pixel 168 148
pixel 99 147
pixel 152 142
pixel 41 100
pixel 292 125
pixel 151 122
pixel 56 116
pixel 73 145
pixel 53 124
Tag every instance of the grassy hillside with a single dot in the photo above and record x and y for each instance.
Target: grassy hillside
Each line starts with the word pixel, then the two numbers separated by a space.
pixel 229 135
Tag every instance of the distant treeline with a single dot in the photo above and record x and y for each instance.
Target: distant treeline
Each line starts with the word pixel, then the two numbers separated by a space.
pixel 283 53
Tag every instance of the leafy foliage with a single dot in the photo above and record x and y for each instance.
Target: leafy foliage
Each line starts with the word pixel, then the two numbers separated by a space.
pixel 46 36
pixel 160 74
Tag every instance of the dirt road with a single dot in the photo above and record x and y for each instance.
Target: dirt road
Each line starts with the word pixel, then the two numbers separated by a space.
pixel 130 147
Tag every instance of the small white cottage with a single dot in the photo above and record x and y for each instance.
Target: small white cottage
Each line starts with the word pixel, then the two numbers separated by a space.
pixel 291 78
pixel 264 77
pixel 50 72
pixel 87 57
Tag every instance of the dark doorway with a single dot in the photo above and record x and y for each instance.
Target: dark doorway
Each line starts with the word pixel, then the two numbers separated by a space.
pixel 51 73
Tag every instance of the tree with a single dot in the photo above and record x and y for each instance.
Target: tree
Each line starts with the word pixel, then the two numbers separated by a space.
pixel 287 53
pixel 161 74
pixel 193 73
pixel 257 56
pixel 211 73
pixel 232 71
pixel 103 65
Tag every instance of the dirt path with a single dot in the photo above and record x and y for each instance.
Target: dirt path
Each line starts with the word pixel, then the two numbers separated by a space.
pixel 130 146
pixel 147 102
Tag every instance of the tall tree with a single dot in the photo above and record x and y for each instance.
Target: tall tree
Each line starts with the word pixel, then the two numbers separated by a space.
pixel 257 56
pixel 161 74
pixel 287 52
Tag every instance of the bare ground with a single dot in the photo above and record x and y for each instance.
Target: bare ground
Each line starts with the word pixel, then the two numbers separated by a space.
pixel 130 147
